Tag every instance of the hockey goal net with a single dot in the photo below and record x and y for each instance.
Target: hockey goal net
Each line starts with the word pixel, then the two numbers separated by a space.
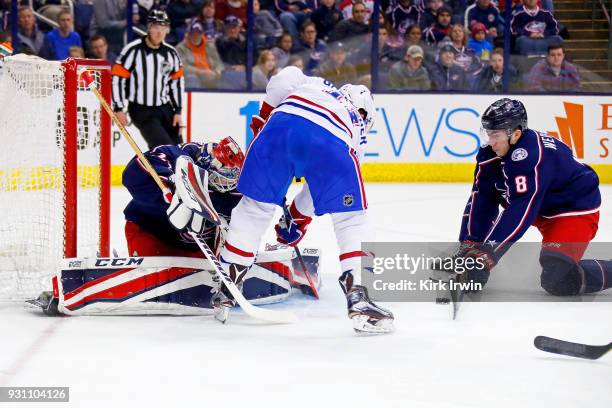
pixel 54 170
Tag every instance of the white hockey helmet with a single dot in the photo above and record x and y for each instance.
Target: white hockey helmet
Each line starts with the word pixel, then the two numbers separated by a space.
pixel 361 98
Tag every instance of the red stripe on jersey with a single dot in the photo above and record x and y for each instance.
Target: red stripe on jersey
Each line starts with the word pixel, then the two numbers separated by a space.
pixel 333 114
pixel 238 251
pixel 353 254
pixel 364 201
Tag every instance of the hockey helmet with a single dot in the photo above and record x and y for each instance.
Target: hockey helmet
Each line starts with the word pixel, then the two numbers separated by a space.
pixel 158 17
pixel 223 161
pixel 361 98
pixel 505 114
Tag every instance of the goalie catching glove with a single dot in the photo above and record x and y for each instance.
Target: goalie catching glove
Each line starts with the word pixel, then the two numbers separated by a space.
pixel 191 207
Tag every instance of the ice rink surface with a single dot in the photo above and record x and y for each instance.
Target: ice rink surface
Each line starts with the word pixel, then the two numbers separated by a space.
pixel 483 359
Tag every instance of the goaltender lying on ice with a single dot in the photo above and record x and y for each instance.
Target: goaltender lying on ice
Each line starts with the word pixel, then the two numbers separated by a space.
pixel 169 285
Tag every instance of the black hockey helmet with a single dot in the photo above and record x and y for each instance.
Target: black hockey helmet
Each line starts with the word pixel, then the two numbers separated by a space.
pixel 158 17
pixel 505 113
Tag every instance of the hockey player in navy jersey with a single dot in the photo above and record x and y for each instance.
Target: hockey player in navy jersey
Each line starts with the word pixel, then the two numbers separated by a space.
pixel 538 182
pixel 308 128
pixel 148 230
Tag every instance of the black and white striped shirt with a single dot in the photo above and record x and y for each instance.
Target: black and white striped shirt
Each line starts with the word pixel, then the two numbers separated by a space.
pixel 148 76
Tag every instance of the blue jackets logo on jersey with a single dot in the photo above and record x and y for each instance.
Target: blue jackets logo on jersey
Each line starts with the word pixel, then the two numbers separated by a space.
pixel 519 154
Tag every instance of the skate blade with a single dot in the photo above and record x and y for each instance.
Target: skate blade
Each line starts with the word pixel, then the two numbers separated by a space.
pixel 221 313
pixel 363 326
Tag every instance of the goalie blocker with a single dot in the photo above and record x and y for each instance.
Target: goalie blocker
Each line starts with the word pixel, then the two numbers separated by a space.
pixel 168 285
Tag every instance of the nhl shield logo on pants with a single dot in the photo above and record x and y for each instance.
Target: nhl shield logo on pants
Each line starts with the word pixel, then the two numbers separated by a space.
pixel 348 200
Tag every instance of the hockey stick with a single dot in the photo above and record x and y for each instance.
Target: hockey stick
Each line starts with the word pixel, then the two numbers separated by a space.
pixel 86 76
pixel 274 316
pixel 298 254
pixel 567 348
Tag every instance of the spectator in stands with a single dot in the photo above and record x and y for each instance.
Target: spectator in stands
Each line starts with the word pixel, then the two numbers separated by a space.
pixel 201 62
pixel 282 51
pixel 387 54
pixel 414 36
pixel 458 9
pixel 5 15
pixel 232 45
pixel 109 20
pixel 403 15
pixel 29 35
pixel 429 15
pixel 485 12
pixel 444 74
pixel 265 68
pixel 409 74
pixel 213 28
pixel 98 49
pixel 236 8
pixel 325 18
pixel 312 50
pixel 335 68
pixel 294 13
pixel 388 48
pixel 346 8
pixel 266 27
pixel 554 73
pixel 352 27
pixel 76 52
pixel 59 40
pixel 490 78
pixel 181 12
pixel 536 29
pixel 465 58
pixel 438 31
pixel 479 42
pixel 296 61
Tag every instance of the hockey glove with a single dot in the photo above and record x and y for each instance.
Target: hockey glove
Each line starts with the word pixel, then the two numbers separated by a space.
pixel 292 227
pixel 190 206
pixel 476 262
pixel 258 121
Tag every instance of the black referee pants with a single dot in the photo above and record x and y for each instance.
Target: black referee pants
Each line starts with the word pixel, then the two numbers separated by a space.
pixel 155 124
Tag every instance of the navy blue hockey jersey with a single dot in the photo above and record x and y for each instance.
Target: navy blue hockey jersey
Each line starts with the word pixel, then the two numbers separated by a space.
pixel 538 177
pixel 148 208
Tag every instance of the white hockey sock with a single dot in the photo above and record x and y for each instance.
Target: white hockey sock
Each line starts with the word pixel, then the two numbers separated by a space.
pixel 351 229
pixel 249 222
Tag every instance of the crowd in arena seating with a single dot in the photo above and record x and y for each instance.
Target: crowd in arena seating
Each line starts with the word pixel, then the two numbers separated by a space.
pixel 444 45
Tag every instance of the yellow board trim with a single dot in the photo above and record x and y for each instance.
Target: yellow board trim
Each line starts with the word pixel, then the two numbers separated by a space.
pixel 372 172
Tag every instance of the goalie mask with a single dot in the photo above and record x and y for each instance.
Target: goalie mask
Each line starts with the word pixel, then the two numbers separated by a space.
pixel 223 161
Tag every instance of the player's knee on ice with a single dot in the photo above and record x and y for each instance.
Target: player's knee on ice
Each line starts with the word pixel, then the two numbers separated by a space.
pixel 560 276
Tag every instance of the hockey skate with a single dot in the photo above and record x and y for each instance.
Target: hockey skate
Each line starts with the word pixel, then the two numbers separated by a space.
pixel 367 317
pixel 222 300
pixel 46 302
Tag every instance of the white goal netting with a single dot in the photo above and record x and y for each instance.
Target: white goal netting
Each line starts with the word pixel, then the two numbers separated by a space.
pixel 33 198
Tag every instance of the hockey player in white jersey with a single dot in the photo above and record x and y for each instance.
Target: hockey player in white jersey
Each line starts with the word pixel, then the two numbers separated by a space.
pixel 308 128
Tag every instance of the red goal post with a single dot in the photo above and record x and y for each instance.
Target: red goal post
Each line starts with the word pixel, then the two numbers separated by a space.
pixel 54 169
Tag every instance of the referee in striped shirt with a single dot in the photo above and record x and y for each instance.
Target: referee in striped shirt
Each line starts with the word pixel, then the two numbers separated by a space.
pixel 148 76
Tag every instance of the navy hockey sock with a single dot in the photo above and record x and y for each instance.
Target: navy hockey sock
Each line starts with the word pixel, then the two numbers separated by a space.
pixel 597 274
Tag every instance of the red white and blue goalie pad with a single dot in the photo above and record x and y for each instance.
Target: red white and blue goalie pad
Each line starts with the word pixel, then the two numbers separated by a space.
pixel 165 285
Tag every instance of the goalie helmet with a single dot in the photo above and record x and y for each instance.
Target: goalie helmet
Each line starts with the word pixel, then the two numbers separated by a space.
pixel 361 98
pixel 223 161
